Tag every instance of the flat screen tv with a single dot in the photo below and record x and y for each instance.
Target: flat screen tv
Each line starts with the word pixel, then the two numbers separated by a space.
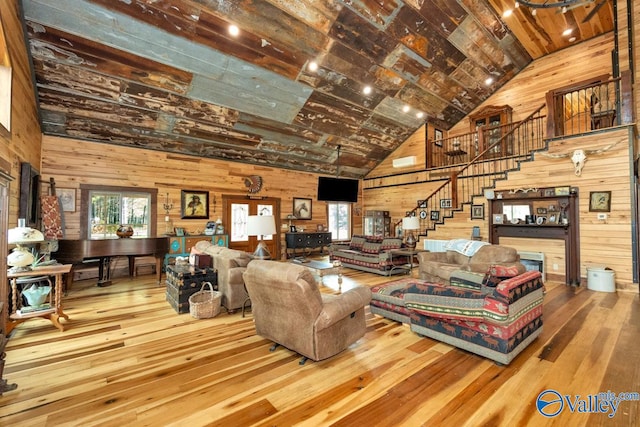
pixel 337 189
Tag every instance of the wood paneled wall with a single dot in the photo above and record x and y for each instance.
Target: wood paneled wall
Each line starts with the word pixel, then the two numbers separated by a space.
pixel 607 242
pixel 73 162
pixel 24 144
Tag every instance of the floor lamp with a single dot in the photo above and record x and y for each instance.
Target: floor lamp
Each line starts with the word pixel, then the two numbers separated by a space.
pixel 261 225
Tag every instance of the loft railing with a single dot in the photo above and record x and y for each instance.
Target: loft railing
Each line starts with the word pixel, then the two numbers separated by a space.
pixel 515 143
pixel 597 105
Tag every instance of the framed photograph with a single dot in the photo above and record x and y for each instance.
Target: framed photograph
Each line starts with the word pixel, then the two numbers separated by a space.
pixel 600 201
pixel 67 198
pixel 422 203
pixel 435 215
pixel 477 211
pixel 541 211
pixel 302 208
pixel 423 214
pixel 498 218
pixel 562 191
pixel 194 204
pixel 549 192
pixel 179 231
pixel 445 203
pixel 437 137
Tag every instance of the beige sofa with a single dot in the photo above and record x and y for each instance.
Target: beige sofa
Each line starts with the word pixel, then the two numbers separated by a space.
pixel 289 310
pixel 230 264
pixel 466 260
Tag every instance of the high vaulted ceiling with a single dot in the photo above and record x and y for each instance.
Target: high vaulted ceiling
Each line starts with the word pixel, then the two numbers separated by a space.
pixel 167 74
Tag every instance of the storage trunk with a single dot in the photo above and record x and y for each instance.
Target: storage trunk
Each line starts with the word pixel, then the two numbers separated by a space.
pixel 185 280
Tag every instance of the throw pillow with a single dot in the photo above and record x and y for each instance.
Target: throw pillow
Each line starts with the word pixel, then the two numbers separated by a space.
pixel 498 273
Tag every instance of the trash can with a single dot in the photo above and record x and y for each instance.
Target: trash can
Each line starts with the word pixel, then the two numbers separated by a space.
pixel 600 278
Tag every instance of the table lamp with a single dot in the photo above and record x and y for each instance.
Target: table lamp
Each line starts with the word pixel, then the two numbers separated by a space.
pixel 21 258
pixel 261 225
pixel 410 223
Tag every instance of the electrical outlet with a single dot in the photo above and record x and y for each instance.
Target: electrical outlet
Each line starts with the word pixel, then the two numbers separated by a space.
pixel 602 216
pixel 555 267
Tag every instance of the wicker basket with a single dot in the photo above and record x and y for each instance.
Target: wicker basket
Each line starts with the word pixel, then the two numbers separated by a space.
pixel 205 304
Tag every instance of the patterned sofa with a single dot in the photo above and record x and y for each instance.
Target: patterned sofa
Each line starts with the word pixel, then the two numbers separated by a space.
pixel 369 253
pixel 497 319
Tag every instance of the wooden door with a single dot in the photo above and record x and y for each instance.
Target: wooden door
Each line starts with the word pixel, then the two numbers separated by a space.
pixel 236 211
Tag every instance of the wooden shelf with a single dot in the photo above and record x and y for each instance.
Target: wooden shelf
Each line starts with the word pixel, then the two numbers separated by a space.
pixel 541 198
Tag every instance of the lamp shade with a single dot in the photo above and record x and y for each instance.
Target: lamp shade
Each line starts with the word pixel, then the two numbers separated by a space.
pixel 261 225
pixel 410 223
pixel 22 234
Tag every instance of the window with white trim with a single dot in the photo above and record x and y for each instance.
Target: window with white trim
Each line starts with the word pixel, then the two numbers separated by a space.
pixel 339 220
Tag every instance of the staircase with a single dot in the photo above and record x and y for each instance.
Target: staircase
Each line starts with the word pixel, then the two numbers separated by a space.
pixel 466 181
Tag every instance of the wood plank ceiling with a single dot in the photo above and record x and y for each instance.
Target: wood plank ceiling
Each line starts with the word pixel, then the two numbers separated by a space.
pixel 167 75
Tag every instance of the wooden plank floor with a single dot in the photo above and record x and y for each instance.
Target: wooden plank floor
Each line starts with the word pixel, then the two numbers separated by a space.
pixel 126 358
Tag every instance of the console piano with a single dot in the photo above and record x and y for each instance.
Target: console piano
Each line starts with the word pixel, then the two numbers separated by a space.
pixel 76 251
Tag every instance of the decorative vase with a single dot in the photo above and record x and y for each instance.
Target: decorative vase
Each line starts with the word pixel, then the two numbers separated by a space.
pixel 124 231
pixel 36 295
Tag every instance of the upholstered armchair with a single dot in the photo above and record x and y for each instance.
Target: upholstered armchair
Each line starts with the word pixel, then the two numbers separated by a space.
pixel 289 309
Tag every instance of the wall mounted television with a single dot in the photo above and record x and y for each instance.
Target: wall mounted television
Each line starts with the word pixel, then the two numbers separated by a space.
pixel 337 189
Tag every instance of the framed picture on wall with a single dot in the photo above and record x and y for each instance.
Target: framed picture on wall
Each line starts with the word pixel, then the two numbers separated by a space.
pixel 67 198
pixel 600 201
pixel 194 204
pixel 302 208
pixel 437 137
pixel 477 211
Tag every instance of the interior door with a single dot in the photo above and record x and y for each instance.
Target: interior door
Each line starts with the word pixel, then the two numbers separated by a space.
pixel 236 211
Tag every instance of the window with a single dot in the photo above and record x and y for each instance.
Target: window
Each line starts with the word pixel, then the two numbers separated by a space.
pixel 339 215
pixel 105 208
pixel 109 210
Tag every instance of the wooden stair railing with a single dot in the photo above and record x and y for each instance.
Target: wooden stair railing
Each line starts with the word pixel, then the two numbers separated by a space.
pixel 445 199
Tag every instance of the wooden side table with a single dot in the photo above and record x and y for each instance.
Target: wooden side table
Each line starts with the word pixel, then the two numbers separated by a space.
pixel 53 313
pixel 411 253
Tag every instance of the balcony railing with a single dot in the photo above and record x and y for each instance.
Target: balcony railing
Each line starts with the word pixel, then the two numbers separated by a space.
pixel 589 107
pixel 511 140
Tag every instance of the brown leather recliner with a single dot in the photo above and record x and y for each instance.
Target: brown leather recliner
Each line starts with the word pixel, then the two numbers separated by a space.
pixel 289 310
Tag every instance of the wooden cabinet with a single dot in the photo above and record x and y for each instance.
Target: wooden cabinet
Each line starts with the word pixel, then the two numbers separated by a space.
pixel 546 213
pixel 306 241
pixel 377 223
pixel 491 123
pixel 181 245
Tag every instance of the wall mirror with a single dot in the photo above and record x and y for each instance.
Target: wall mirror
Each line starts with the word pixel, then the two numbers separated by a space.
pixel 29 208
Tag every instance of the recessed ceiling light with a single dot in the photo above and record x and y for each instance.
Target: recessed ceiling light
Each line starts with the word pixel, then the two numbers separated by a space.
pixel 234 30
pixel 313 66
pixel 567 32
pixel 366 90
pixel 419 114
pixel 489 81
pixel 507 13
pixel 406 108
pixel 572 39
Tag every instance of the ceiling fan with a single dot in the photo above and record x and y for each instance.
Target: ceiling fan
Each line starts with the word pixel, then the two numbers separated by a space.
pixel 564 6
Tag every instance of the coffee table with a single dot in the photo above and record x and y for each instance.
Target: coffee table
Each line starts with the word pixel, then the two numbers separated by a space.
pixel 322 268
